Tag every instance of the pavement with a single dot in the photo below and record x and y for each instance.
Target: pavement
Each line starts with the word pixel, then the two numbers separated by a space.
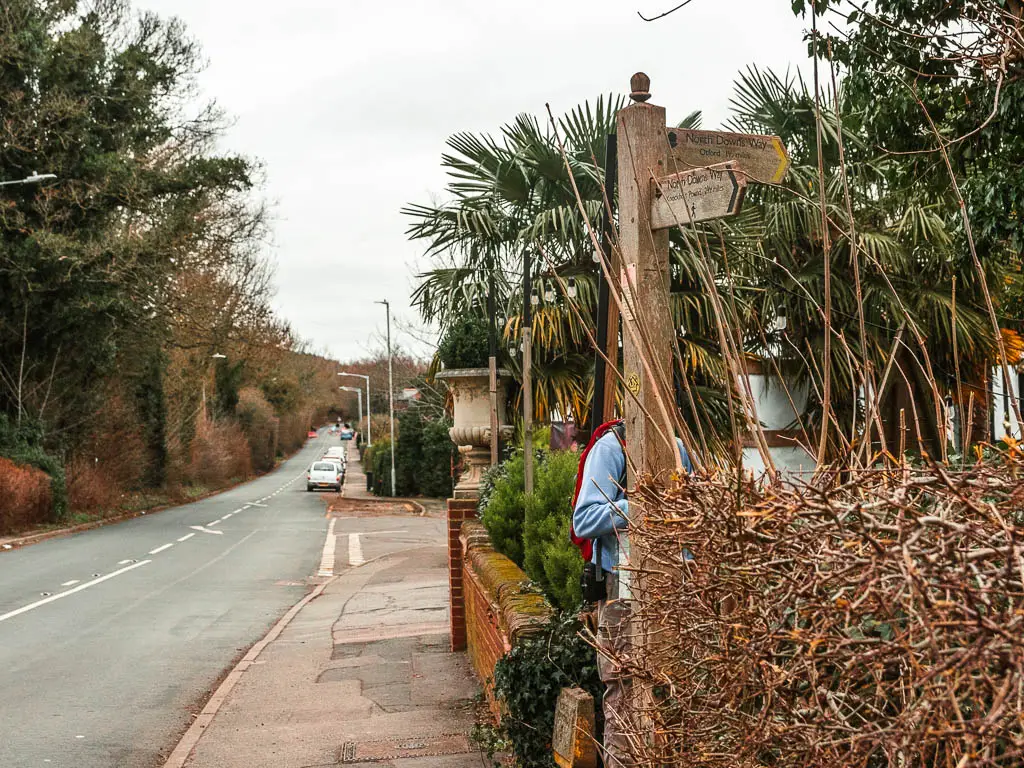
pixel 113 640
pixel 362 675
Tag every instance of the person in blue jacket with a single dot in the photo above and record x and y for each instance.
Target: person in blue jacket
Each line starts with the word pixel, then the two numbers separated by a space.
pixel 601 514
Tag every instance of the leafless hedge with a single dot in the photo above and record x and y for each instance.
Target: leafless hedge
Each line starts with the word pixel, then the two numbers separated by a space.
pixel 874 620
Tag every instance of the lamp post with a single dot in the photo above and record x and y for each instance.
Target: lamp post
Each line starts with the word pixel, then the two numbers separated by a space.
pixel 35 178
pixel 369 432
pixel 391 394
pixel 359 394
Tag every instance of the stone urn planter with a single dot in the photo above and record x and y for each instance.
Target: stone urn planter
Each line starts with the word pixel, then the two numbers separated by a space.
pixel 470 388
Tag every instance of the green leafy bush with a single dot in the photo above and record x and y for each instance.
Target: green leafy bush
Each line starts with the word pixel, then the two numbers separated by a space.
pixel 549 556
pixel 380 464
pixel 423 457
pixel 528 679
pixel 407 452
pixel 505 513
pixel 488 478
pixel 436 457
pixel 502 505
pixel 465 345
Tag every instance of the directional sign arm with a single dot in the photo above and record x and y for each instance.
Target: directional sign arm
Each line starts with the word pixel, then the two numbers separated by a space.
pixel 762 158
pixel 696 195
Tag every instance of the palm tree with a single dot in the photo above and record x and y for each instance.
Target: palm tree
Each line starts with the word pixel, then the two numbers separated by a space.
pixel 508 196
pixel 515 193
pixel 898 245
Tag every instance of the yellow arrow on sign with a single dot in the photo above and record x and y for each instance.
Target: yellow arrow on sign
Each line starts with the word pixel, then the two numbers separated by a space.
pixel 763 159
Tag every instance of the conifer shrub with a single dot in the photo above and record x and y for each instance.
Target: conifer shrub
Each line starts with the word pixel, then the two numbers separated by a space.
pixel 549 557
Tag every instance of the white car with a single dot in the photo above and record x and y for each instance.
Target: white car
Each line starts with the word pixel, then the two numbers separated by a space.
pixel 324 474
pixel 337 452
pixel 336 462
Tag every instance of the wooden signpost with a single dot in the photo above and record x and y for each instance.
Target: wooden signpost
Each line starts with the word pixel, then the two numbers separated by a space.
pixel 667 177
pixel 762 159
pixel 647 333
pixel 699 194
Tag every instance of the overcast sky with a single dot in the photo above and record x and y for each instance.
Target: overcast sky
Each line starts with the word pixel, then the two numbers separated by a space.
pixel 348 104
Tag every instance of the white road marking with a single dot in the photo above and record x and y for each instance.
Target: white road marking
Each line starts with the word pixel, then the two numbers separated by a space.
pixel 123 562
pixel 229 514
pixel 79 588
pixel 186 537
pixel 255 504
pixel 161 549
pixel 355 550
pixel 211 524
pixel 70 583
pixel 204 530
pixel 327 558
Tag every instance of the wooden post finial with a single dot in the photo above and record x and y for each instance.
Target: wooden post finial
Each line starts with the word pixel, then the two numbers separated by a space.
pixel 640 87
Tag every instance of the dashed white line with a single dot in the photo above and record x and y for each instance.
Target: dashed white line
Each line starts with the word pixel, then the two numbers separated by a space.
pixel 186 537
pixel 229 514
pixel 70 583
pixel 161 549
pixel 355 550
pixel 79 588
pixel 327 558
pixel 215 522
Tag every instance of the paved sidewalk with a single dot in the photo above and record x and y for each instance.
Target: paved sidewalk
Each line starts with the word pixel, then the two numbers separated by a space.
pixel 355 477
pixel 362 676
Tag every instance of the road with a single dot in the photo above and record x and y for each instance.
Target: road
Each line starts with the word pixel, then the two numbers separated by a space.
pixel 111 639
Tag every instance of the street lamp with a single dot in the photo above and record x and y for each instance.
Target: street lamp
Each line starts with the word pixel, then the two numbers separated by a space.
pixel 391 394
pixel 369 432
pixel 35 178
pixel 359 393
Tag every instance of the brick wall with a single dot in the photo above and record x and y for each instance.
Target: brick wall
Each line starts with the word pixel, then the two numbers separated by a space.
pixel 459 510
pixel 499 606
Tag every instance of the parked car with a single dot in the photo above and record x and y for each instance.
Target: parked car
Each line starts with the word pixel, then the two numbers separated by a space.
pixel 336 452
pixel 347 433
pixel 339 464
pixel 311 433
pixel 324 474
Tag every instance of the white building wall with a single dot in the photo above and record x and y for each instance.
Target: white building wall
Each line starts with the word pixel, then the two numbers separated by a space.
pixel 1004 413
pixel 775 412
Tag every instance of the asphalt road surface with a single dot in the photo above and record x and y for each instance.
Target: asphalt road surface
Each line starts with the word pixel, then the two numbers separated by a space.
pixel 111 639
